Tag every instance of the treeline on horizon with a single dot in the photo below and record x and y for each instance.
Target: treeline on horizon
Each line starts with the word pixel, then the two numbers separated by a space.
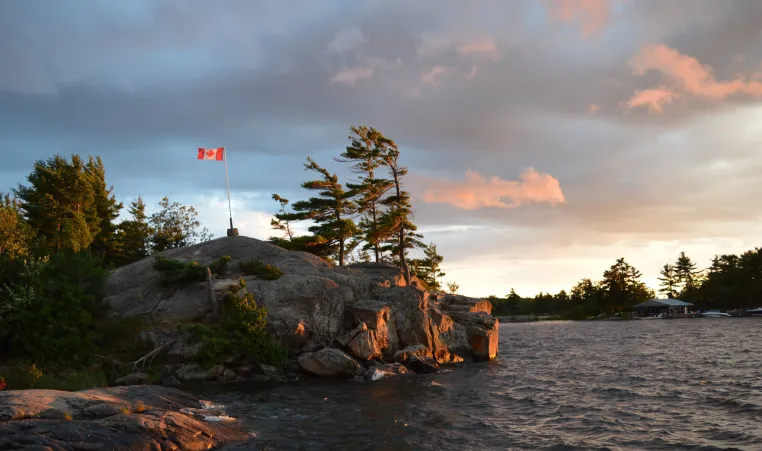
pixel 730 282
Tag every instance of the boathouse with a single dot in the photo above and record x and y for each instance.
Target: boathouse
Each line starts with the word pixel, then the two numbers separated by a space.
pixel 669 307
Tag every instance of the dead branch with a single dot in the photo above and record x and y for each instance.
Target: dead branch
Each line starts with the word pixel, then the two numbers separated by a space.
pixel 148 358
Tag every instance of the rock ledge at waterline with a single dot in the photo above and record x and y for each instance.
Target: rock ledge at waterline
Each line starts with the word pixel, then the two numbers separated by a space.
pixel 335 321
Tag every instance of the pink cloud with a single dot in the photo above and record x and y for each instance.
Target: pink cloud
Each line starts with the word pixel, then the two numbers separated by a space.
pixel 593 15
pixel 685 75
pixel 654 99
pixel 432 75
pixel 593 108
pixel 484 47
pixel 478 191
pixel 352 75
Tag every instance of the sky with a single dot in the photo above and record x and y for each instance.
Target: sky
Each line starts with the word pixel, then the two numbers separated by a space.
pixel 544 138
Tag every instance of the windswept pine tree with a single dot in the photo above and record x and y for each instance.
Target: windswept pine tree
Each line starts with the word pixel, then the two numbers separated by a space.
pixel 365 152
pixel 396 226
pixel 282 220
pixel 331 210
pixel 669 282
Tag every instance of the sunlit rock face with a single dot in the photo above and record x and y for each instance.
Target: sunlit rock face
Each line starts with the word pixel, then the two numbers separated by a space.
pixel 364 310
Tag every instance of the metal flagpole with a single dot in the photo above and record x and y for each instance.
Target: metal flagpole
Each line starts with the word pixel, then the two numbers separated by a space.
pixel 232 231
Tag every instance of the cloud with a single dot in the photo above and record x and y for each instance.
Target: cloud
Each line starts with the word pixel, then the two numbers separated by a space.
pixel 683 74
pixel 432 75
pixel 592 15
pixel 654 99
pixel 478 191
pixel 593 108
pixel 350 76
pixel 483 47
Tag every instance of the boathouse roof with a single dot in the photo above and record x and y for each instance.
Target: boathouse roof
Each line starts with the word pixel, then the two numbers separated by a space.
pixel 663 303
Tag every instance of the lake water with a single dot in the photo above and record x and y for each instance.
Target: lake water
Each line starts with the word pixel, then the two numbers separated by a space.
pixel 692 384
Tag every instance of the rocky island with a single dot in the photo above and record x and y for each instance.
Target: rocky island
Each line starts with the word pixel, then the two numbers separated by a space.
pixel 334 321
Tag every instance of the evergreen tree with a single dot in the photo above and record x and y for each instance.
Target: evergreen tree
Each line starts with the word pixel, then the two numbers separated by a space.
pixel 175 225
pixel 59 203
pixel 330 211
pixel 669 281
pixel 365 153
pixel 15 234
pixel 427 269
pixel 396 227
pixel 686 274
pixel 282 220
pixel 622 287
pixel 136 233
pixel 106 241
pixel 453 287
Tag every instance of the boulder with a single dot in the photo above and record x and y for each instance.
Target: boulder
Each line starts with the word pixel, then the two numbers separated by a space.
pixel 271 372
pixel 375 314
pixel 364 345
pixel 422 365
pixel 134 417
pixel 194 372
pixel 329 362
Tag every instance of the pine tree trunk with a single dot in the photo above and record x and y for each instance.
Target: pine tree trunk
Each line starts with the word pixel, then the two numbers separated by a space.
pixel 375 226
pixel 341 252
pixel 403 260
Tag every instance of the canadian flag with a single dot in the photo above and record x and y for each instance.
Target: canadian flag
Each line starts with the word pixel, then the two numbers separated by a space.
pixel 211 154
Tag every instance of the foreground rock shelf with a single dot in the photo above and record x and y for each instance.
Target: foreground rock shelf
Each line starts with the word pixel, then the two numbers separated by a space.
pixel 340 322
pixel 116 418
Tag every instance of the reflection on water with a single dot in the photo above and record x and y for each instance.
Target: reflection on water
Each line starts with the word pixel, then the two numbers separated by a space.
pixel 642 385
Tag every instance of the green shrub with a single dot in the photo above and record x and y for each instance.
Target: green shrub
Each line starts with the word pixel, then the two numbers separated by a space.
pixel 220 266
pixel 240 333
pixel 49 309
pixel 261 270
pixel 174 272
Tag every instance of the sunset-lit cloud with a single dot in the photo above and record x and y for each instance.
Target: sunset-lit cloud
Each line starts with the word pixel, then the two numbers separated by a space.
pixel 592 15
pixel 478 191
pixel 483 47
pixel 685 74
pixel 593 108
pixel 654 99
pixel 350 76
pixel 433 75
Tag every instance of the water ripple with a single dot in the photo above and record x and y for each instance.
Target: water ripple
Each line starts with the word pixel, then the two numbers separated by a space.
pixel 637 385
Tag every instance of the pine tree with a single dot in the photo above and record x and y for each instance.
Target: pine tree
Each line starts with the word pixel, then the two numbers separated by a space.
pixel 367 147
pixel 427 269
pixel 136 233
pixel 622 287
pixel 330 211
pixel 59 202
pixel 282 220
pixel 668 281
pixel 686 274
pixel 396 227
pixel 106 241
pixel 15 234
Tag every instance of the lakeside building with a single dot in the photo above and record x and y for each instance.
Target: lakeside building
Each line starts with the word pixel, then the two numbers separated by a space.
pixel 663 307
